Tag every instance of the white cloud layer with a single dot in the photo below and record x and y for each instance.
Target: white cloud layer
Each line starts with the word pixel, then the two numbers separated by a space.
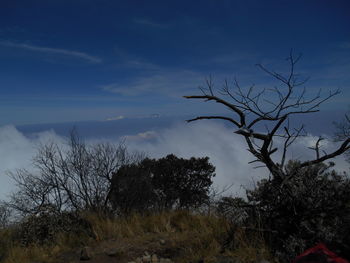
pixel 226 150
pixel 17 151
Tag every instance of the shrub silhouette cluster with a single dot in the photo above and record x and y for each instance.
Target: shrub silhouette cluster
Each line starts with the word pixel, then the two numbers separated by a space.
pixel 104 179
pixel 163 184
pixel 295 213
pixel 44 227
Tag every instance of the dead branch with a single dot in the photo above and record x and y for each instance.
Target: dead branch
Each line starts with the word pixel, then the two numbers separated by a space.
pixel 289 99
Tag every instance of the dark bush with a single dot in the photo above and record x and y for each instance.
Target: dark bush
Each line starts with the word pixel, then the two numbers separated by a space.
pixel 44 227
pixel 166 183
pixel 309 207
pixel 181 183
pixel 132 190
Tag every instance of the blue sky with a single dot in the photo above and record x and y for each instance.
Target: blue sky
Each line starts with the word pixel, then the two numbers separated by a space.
pixel 92 60
pixel 81 60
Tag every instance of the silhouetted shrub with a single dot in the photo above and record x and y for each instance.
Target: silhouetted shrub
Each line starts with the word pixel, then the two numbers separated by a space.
pixel 132 190
pixel 45 226
pixel 181 183
pixel 311 206
pixel 166 183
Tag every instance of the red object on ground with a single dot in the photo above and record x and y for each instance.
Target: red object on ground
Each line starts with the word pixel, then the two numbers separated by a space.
pixel 319 254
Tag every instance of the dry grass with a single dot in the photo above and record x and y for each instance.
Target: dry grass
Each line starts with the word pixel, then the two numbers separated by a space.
pixel 30 254
pixel 13 252
pixel 165 222
pixel 188 237
pixel 250 247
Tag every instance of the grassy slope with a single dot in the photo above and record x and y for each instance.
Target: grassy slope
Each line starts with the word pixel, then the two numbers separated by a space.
pixel 186 238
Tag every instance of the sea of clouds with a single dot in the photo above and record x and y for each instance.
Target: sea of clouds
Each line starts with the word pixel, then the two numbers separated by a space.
pixel 227 151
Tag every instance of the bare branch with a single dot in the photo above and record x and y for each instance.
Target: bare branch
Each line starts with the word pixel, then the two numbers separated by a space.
pixel 215 117
pixel 227 104
pixel 343 148
pixel 316 148
pixel 257 106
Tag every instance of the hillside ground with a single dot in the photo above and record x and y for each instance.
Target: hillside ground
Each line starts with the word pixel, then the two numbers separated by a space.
pixel 179 236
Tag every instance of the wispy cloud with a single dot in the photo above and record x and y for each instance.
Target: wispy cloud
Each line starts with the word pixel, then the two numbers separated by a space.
pixel 120 117
pixel 170 83
pixel 142 136
pixel 57 98
pixel 149 23
pixel 55 51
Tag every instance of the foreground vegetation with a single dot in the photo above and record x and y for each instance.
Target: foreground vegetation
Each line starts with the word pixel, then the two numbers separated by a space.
pixel 276 222
pixel 186 237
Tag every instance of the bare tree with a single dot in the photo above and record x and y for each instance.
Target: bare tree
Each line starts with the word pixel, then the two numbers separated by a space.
pixel 78 178
pixel 343 131
pixel 272 108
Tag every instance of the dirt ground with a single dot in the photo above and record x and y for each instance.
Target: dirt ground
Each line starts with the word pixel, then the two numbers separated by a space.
pixel 124 250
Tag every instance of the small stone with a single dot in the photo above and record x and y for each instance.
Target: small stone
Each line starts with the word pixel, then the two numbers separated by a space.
pixel 162 242
pixel 154 258
pixel 112 252
pixel 85 254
